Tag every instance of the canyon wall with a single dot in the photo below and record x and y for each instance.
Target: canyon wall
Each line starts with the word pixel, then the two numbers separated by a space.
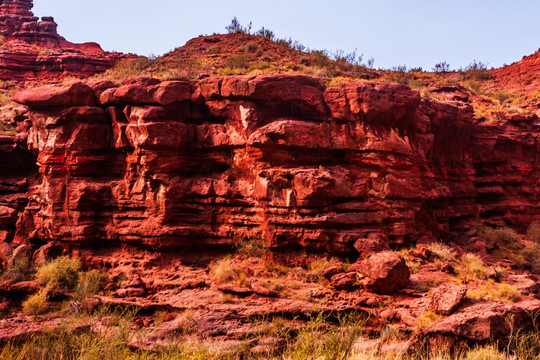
pixel 279 159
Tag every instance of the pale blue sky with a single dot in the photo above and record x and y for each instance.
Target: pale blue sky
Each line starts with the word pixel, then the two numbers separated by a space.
pixel 393 32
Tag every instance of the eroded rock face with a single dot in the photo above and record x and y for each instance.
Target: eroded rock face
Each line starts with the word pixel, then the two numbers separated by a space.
pixel 17 166
pixel 17 21
pixel 280 158
pixel 33 49
pixel 485 321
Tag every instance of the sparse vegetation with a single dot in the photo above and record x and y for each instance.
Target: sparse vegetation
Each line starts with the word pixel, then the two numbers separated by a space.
pixel 442 251
pixel 236 27
pixel 499 292
pixel 473 267
pixel 37 303
pixel 533 233
pixel 428 318
pixel 250 246
pixel 504 235
pixel 60 273
pixel 501 96
pixel 442 67
pixel 90 284
pixel 129 68
pixel 318 340
pixel 476 70
pixel 399 75
pixel 237 62
pixel 19 270
pixel 226 269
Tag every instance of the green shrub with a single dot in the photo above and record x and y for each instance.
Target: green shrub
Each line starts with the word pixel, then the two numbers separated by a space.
pixel 477 70
pixel 442 67
pixel 501 96
pixel 250 246
pixel 473 267
pixel 126 69
pixel 20 270
pixel 237 62
pixel 503 235
pixel 531 254
pixel 252 46
pixel 533 233
pixel 269 34
pixel 236 27
pixel 491 291
pixel 90 284
pixel 60 273
pixel 321 340
pixel 36 304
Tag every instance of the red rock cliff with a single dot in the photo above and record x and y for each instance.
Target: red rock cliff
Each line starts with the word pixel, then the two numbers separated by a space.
pixel 279 158
pixel 32 48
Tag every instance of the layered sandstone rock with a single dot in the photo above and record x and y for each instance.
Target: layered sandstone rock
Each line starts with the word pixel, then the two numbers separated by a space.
pixel 18 22
pixel 280 158
pixel 33 49
pixel 17 166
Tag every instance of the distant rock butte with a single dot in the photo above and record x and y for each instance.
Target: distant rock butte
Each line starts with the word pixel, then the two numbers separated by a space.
pixel 281 158
pixel 33 49
pixel 18 22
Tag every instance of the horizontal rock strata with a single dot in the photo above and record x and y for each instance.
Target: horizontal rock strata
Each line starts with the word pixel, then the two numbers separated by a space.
pixel 32 49
pixel 280 159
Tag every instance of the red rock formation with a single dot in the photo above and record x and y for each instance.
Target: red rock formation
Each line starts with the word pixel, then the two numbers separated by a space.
pixel 522 76
pixel 17 165
pixel 33 49
pixel 280 158
pixel 18 22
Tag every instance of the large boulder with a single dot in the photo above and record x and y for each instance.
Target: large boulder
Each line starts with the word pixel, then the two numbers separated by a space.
pixel 447 298
pixel 487 321
pixel 384 272
pixel 72 94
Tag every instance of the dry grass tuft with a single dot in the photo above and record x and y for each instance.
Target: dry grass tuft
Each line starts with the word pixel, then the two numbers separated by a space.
pixel 36 304
pixel 473 267
pixel 492 291
pixel 442 251
pixel 225 270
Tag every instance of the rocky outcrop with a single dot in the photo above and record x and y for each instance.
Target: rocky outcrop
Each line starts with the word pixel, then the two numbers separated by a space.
pixel 18 22
pixel 521 76
pixel 17 166
pixel 26 65
pixel 32 48
pixel 486 321
pixel 280 158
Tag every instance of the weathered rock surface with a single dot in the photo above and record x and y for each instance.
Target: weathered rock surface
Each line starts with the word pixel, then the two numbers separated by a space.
pixel 447 298
pixel 17 165
pixel 17 21
pixel 384 272
pixel 281 158
pixel 485 321
pixel 34 49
